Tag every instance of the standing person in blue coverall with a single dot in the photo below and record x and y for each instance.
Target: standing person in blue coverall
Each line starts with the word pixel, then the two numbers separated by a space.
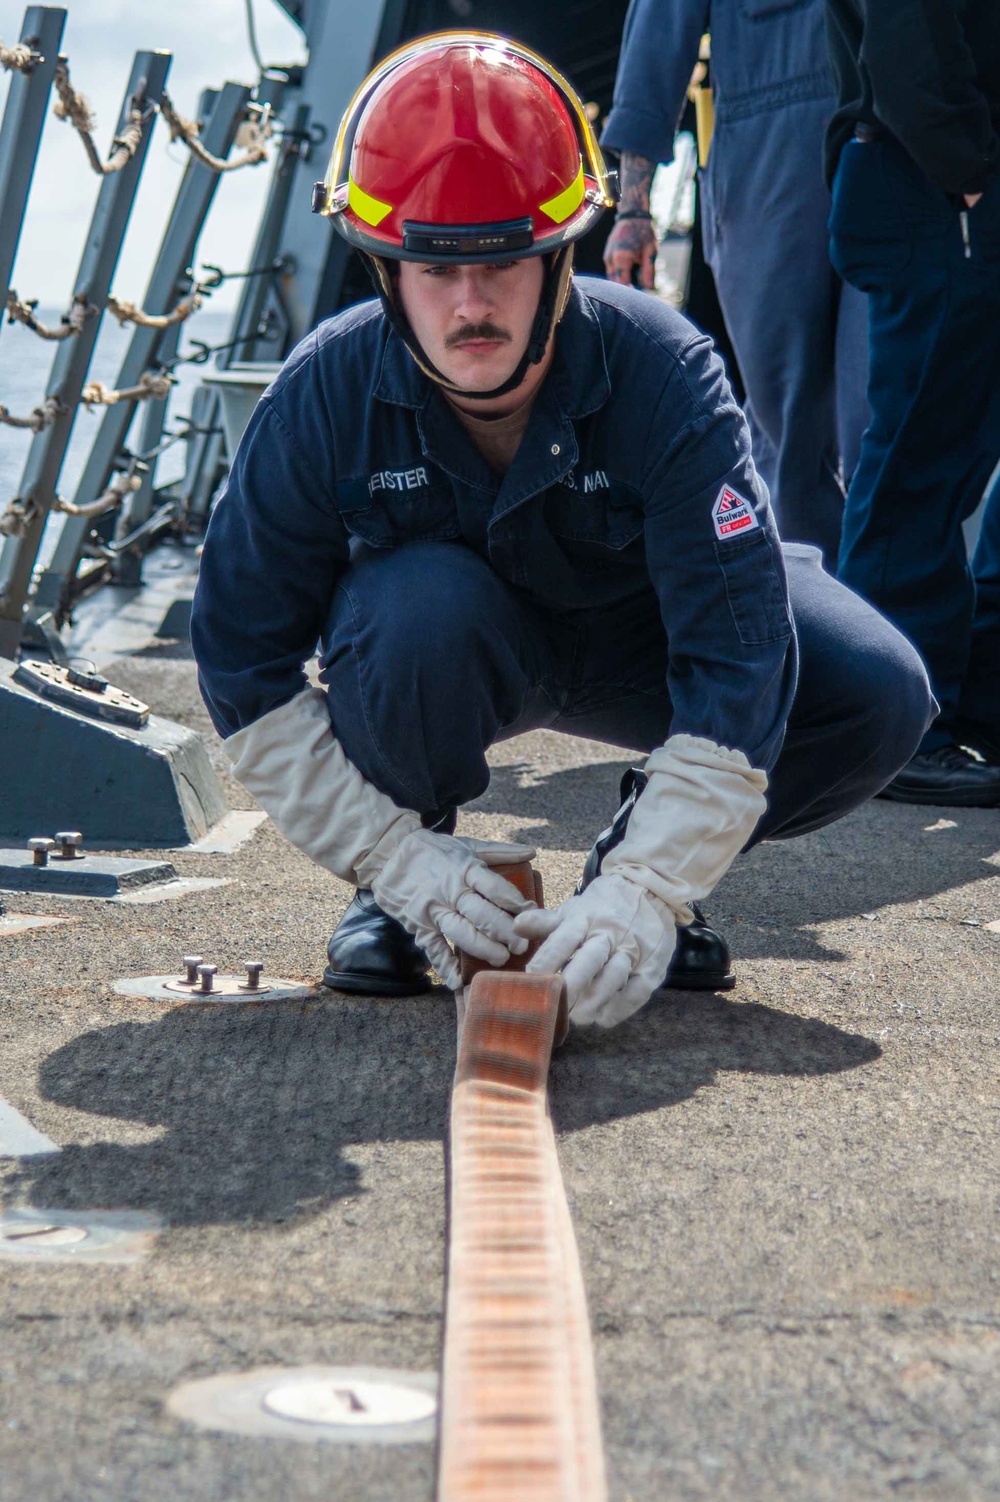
pixel 799 333
pixel 913 156
pixel 506 502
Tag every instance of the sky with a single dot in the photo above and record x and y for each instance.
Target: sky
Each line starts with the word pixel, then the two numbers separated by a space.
pixel 208 40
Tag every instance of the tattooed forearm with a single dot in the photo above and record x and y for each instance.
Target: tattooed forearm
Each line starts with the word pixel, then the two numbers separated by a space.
pixel 636 181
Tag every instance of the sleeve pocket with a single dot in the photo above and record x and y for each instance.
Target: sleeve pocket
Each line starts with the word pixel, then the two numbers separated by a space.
pixel 754 588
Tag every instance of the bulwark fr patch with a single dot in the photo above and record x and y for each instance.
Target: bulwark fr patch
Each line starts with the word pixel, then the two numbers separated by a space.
pixel 731 514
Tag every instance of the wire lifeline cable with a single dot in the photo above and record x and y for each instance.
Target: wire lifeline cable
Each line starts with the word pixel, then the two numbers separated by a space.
pixel 252 37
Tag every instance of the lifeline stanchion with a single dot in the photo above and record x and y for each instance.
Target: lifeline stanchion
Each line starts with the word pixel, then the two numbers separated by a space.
pixel 519 1410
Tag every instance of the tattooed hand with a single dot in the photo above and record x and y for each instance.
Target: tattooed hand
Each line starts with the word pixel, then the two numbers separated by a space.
pixel 632 242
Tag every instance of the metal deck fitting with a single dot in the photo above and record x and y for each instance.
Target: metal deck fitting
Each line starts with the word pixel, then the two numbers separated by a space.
pixel 88 693
pixel 125 786
pixel 76 1235
pixel 330 1404
pixel 220 989
pixel 83 876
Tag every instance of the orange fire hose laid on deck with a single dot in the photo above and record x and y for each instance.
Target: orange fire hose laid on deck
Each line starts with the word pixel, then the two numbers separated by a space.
pixel 519 1408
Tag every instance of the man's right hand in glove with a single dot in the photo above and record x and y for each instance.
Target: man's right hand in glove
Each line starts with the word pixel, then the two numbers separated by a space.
pixel 440 889
pixel 612 944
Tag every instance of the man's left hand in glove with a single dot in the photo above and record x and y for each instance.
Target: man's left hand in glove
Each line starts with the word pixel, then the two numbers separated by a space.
pixel 614 942
pixel 613 945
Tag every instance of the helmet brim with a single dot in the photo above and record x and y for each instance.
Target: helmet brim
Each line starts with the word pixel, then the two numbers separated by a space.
pixel 363 238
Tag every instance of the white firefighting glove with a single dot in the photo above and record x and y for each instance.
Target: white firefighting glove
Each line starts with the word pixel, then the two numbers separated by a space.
pixel 700 806
pixel 613 945
pixel 436 886
pixel 439 887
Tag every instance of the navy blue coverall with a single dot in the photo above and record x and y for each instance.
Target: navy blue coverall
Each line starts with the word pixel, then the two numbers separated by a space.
pixel 622 581
pixel 799 333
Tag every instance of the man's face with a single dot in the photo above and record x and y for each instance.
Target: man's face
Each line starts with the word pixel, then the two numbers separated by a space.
pixel 472 321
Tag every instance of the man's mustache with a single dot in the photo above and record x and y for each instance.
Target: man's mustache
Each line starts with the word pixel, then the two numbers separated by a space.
pixel 470 331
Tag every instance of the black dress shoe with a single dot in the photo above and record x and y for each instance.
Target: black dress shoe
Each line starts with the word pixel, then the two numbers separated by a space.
pixel 372 954
pixel 949 777
pixel 701 956
pixel 976 735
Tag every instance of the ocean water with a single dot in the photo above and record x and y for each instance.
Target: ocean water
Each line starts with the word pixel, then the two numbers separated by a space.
pixel 25 363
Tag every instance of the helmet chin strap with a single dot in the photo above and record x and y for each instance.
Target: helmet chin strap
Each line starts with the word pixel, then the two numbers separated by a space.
pixel 551 307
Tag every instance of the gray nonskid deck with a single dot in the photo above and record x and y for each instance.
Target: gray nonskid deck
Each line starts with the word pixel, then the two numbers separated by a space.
pixel 785 1199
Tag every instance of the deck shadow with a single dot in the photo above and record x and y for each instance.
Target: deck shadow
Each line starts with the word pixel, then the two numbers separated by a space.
pixel 257 1106
pixel 878 856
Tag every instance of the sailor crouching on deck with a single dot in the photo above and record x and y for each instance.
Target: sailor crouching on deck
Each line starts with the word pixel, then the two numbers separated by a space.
pixel 504 502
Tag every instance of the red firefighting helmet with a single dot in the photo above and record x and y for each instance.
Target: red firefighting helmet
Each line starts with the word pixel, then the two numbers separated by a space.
pixel 462 147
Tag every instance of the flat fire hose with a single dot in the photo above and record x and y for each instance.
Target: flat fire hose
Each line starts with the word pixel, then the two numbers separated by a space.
pixel 519 1408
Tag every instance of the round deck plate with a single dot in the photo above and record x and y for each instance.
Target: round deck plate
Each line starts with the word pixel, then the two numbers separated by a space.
pixel 325 1404
pixel 76 1235
pixel 356 1404
pixel 42 1235
pixel 226 990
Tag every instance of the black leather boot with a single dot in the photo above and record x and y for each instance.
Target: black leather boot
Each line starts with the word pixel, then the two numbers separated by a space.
pixel 949 777
pixel 980 736
pixel 372 954
pixel 701 958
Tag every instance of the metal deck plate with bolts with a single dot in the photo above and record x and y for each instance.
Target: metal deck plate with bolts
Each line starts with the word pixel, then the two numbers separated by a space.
pixel 86 876
pixel 88 693
pixel 214 989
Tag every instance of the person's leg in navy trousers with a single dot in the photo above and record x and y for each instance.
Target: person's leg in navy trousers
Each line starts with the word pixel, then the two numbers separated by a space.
pixel 933 282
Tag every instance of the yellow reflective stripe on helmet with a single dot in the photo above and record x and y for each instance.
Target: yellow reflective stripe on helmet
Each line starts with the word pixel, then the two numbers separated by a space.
pixel 566 202
pixel 365 206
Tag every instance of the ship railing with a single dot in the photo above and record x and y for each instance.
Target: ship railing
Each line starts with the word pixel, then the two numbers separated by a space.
pixel 112 485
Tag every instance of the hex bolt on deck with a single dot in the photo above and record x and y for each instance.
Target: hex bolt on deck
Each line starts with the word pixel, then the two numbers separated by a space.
pixel 117 1236
pixel 328 1405
pixel 40 848
pixel 69 845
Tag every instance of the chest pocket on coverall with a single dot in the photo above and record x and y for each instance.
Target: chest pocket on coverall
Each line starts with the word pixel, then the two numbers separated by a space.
pixel 388 517
pixel 593 529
